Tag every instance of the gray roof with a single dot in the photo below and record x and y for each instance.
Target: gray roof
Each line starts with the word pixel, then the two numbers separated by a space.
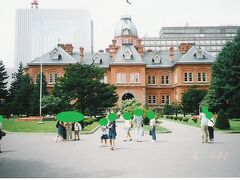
pixel 191 58
pixel 104 59
pixel 46 59
pixel 165 59
pixel 135 56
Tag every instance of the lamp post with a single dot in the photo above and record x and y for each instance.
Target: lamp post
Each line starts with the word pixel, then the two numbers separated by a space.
pixel 40 94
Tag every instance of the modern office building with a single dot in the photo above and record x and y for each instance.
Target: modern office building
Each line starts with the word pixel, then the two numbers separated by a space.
pixel 210 38
pixel 38 30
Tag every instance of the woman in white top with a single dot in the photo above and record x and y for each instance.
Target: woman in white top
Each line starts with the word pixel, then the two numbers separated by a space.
pixel 128 127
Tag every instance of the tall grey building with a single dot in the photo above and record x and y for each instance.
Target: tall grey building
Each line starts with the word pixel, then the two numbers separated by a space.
pixel 38 30
pixel 211 38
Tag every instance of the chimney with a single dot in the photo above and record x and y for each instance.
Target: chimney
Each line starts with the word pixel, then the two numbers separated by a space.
pixel 62 46
pixel 184 47
pixel 139 41
pixel 81 54
pixel 68 48
pixel 114 42
pixel 171 49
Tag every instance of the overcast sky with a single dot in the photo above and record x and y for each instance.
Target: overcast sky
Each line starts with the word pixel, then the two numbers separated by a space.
pixel 148 15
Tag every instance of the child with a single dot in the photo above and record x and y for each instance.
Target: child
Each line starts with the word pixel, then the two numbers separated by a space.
pixel 104 135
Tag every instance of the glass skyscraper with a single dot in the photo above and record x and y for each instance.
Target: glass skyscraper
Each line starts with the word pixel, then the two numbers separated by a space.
pixel 39 30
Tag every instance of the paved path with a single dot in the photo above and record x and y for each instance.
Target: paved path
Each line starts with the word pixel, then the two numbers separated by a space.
pixel 176 154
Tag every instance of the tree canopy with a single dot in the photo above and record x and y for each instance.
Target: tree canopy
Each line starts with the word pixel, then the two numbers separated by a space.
pixel 3 86
pixel 81 85
pixel 224 91
pixel 191 100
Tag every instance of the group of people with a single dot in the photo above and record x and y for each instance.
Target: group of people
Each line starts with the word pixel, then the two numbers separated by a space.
pixel 207 128
pixel 109 131
pixel 66 131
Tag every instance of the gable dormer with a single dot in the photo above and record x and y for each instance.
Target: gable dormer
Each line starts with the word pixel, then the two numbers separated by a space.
pixel 97 59
pixel 199 54
pixel 55 55
pixel 157 59
pixel 127 54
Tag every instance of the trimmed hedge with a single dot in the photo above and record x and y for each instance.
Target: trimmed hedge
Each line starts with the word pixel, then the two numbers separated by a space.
pixel 195 120
pixel 180 118
pixel 185 119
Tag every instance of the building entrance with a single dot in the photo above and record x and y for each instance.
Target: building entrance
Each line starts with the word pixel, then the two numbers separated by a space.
pixel 127 96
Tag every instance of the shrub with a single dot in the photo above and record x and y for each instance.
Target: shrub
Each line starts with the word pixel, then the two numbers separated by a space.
pixel 87 122
pixel 171 117
pixel 175 118
pixel 167 116
pixel 195 119
pixel 180 118
pixel 185 119
pixel 222 121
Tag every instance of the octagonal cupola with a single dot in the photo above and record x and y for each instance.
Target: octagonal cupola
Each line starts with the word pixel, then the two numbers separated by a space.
pixel 126 27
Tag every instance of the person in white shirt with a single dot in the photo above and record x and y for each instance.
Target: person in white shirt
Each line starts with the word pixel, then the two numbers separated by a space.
pixel 104 135
pixel 204 126
pixel 211 129
pixel 128 127
pixel 139 127
pixel 77 129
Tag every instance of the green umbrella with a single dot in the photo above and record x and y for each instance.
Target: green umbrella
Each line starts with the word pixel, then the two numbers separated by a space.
pixel 70 116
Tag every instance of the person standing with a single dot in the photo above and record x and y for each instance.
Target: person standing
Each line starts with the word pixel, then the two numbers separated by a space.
pixel 68 127
pixel 104 135
pixel 77 128
pixel 138 121
pixel 128 127
pixel 1 134
pixel 152 124
pixel 60 129
pixel 211 129
pixel 112 133
pixel 204 127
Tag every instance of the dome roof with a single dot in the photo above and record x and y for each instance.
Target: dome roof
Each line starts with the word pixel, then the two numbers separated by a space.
pixel 126 27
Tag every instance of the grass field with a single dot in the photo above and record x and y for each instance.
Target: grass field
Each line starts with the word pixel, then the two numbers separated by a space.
pixel 48 127
pixel 235 125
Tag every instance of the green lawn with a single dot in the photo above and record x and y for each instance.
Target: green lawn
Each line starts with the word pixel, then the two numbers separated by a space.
pixel 159 129
pixel 32 126
pixel 235 125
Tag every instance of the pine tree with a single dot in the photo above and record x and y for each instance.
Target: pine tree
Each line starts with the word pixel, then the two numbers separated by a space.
pixel 22 96
pixel 222 121
pixel 83 84
pixel 35 105
pixel 17 77
pixel 3 87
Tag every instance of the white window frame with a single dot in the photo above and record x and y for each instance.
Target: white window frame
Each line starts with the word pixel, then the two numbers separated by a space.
pixel 121 78
pixel 188 76
pixel 134 78
pixel 53 78
pixel 151 79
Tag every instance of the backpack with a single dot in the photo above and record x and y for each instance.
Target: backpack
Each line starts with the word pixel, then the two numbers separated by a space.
pixel 2 134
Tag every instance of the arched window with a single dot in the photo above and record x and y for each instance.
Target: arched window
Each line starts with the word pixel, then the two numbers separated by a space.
pixel 199 54
pixel 128 54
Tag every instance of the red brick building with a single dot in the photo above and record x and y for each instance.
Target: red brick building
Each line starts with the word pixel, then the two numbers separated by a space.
pixel 152 77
